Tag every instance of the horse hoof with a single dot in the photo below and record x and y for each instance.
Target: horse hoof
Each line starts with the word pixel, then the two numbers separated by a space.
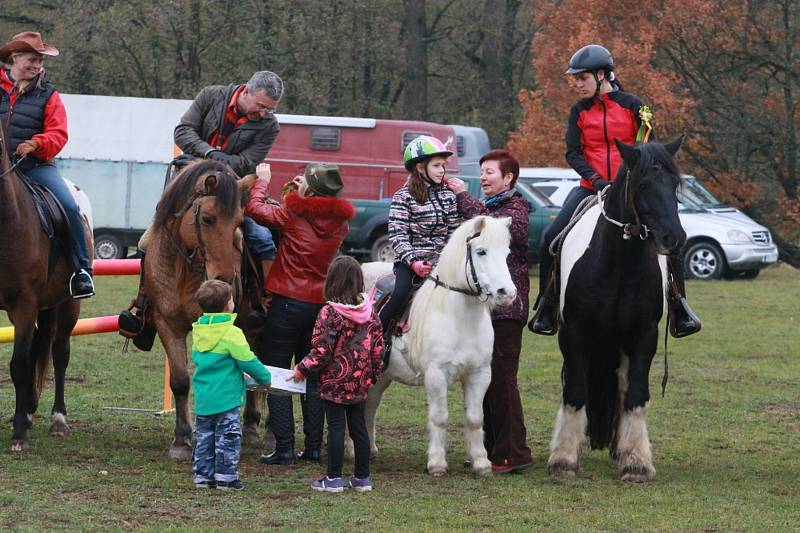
pixel 250 437
pixel 562 468
pixel 482 467
pixel 180 452
pixel 437 471
pixel 59 428
pixel 637 474
pixel 373 454
pixel 20 445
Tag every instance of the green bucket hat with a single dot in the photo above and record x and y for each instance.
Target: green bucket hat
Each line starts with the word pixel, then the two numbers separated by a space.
pixel 324 179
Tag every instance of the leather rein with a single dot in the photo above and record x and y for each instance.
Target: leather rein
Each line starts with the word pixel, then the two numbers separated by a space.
pixel 628 229
pixel 198 267
pixel 469 271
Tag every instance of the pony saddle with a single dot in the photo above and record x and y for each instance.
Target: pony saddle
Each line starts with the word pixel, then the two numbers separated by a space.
pixel 380 295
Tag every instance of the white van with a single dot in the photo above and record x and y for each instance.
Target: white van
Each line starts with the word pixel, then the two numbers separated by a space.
pixel 720 240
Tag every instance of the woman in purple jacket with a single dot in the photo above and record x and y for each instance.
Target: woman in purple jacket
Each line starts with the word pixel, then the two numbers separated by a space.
pixel 503 422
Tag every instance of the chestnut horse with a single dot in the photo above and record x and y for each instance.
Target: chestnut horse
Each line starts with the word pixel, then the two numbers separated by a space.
pixel 34 291
pixel 192 239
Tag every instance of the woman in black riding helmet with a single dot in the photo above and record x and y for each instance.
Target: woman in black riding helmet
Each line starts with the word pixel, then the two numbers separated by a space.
pixel 604 113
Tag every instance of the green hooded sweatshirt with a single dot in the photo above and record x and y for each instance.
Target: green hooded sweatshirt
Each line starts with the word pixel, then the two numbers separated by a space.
pixel 220 354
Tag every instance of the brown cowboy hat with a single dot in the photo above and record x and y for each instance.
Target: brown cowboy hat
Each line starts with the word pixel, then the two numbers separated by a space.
pixel 27 41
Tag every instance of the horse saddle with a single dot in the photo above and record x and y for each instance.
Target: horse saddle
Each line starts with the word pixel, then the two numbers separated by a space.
pixel 51 213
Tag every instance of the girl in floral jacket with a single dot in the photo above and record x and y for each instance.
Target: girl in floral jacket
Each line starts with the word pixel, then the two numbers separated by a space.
pixel 346 351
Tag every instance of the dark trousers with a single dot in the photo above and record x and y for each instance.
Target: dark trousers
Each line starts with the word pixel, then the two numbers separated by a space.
pixel 404 277
pixel 336 414
pixel 49 176
pixel 574 198
pixel 287 336
pixel 503 421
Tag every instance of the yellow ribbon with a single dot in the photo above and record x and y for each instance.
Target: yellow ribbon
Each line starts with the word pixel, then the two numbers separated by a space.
pixel 645 115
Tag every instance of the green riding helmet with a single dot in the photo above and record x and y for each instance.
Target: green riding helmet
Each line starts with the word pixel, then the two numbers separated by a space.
pixel 422 148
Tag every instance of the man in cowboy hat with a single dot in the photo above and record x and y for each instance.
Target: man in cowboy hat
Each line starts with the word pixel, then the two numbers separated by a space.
pixel 36 123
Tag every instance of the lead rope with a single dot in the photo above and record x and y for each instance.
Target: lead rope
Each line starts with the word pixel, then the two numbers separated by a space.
pixel 665 378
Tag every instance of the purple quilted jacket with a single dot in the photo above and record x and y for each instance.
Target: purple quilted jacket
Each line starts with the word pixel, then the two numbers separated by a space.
pixel 516 207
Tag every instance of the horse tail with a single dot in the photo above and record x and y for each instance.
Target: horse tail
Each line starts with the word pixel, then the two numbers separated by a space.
pixel 602 396
pixel 42 371
pixel 41 348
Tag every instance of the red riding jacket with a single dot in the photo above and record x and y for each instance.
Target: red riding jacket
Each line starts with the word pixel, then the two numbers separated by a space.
pixel 593 125
pixel 312 230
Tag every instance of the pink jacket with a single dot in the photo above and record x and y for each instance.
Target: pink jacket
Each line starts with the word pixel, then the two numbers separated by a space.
pixel 346 349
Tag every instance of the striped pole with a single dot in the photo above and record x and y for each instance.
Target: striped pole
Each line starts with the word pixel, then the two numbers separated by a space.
pixel 84 326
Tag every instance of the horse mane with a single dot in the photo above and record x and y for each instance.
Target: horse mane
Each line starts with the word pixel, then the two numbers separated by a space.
pixel 452 269
pixel 185 185
pixel 650 154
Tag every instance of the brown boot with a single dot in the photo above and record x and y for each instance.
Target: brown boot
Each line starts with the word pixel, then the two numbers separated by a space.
pixel 132 323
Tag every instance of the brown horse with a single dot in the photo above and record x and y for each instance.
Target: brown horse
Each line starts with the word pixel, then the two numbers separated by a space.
pixel 192 239
pixel 35 294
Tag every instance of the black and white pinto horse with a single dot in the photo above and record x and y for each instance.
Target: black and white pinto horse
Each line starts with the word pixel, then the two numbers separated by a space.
pixel 613 295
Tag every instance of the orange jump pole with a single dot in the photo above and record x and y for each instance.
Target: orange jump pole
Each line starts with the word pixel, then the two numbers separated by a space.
pixel 84 326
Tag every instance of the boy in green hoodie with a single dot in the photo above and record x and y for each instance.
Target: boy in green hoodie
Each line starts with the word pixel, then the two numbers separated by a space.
pixel 221 355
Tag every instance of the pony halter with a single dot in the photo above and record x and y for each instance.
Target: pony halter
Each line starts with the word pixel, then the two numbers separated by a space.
pixel 469 291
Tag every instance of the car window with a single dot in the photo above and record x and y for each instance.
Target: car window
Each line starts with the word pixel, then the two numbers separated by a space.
pixel 693 195
pixel 547 190
pixel 542 199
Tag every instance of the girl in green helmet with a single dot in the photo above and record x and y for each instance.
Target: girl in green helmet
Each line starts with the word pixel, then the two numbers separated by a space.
pixel 422 217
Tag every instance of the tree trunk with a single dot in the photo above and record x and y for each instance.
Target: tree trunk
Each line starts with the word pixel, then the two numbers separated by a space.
pixel 415 34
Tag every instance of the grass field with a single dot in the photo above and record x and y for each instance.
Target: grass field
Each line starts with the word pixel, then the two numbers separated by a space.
pixel 725 443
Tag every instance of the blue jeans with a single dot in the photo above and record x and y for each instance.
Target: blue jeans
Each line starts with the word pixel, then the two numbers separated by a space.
pixel 218 444
pixel 259 240
pixel 48 176
pixel 287 336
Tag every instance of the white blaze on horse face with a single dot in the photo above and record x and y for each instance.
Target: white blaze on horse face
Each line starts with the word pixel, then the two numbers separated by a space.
pixel 575 246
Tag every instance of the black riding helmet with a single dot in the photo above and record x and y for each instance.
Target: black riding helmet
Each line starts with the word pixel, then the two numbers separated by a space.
pixel 591 57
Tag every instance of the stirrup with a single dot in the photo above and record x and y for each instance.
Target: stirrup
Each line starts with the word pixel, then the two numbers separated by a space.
pixel 540 314
pixel 689 322
pixel 85 291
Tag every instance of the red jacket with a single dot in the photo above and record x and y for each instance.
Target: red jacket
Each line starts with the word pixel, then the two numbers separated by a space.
pixel 593 125
pixel 311 231
pixel 346 349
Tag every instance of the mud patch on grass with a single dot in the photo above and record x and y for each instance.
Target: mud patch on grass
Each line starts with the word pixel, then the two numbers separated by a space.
pixel 781 409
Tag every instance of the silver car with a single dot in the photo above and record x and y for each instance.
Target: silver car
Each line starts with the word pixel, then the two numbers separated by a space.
pixel 720 240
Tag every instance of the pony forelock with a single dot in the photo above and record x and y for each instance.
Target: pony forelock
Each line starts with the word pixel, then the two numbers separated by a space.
pixel 185 184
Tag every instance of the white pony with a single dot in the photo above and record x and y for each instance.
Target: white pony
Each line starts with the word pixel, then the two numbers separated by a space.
pixel 451 335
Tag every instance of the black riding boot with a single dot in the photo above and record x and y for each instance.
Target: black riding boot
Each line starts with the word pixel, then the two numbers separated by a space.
pixel 682 320
pixel 132 323
pixel 545 316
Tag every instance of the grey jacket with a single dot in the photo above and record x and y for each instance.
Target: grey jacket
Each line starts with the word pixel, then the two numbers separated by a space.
pixel 248 143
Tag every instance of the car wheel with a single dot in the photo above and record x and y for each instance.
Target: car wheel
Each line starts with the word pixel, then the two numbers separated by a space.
pixel 108 246
pixel 382 250
pixel 703 260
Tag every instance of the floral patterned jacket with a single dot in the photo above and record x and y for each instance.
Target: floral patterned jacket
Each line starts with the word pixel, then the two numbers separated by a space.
pixel 346 350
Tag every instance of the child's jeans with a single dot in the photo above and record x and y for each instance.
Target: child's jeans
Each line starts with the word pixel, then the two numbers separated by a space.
pixel 337 413
pixel 218 443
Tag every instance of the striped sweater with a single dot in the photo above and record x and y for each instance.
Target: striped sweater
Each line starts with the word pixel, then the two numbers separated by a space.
pixel 420 231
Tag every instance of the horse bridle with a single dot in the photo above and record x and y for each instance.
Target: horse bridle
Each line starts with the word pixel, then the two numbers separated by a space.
pixel 196 266
pixel 468 264
pixel 628 229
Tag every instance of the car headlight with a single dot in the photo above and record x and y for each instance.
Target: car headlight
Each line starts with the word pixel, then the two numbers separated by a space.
pixel 736 235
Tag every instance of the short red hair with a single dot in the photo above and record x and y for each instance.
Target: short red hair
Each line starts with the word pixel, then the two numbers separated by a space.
pixel 506 161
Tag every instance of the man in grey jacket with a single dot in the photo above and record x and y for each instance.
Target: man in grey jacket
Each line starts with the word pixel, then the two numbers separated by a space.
pixel 234 124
